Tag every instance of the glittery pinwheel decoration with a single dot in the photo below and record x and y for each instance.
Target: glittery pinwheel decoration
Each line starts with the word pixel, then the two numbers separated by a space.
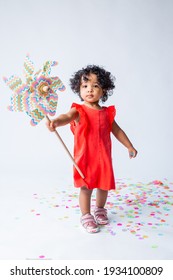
pixel 37 96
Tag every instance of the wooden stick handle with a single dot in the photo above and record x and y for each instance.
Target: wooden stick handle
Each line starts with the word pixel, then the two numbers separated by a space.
pixel 69 154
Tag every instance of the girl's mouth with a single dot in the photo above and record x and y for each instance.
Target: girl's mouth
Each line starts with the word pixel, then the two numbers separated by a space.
pixel 90 96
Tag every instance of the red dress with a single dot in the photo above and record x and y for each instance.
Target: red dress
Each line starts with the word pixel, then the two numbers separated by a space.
pixel 92 147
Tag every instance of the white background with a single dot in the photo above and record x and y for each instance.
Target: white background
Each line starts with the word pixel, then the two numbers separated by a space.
pixel 131 38
pixel 134 40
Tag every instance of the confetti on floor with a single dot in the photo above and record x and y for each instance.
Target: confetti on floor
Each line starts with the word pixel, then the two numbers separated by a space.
pixel 139 209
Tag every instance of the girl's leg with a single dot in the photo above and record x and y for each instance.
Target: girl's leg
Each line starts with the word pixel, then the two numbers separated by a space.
pixel 101 197
pixel 100 212
pixel 87 220
pixel 85 200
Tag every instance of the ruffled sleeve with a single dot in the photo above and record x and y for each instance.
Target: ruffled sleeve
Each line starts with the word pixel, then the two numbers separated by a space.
pixel 111 114
pixel 82 117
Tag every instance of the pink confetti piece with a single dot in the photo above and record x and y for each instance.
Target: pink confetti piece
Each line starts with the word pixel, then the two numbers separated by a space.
pixel 41 257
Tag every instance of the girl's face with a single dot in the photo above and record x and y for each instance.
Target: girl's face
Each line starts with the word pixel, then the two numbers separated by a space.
pixel 90 90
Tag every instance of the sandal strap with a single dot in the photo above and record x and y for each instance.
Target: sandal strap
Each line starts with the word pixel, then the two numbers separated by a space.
pixel 89 223
pixel 87 218
pixel 100 212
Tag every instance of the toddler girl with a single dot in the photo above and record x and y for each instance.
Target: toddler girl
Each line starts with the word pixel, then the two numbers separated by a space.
pixel 92 125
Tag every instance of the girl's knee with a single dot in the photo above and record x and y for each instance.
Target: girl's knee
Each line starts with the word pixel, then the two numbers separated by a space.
pixel 102 192
pixel 85 190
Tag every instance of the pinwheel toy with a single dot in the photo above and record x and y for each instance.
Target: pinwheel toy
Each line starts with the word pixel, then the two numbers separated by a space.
pixel 37 96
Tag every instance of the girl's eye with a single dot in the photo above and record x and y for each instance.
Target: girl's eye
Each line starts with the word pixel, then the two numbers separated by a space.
pixel 96 86
pixel 84 86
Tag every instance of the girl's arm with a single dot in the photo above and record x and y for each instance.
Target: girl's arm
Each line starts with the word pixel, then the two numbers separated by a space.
pixel 63 119
pixel 122 137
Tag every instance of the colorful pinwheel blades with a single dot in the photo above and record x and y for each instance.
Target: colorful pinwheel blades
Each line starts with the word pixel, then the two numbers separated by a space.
pixel 30 97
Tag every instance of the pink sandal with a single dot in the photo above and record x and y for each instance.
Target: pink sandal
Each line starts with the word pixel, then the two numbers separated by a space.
pixel 100 215
pixel 89 223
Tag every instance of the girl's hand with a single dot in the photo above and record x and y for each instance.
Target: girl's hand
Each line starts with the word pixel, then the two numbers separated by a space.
pixel 51 125
pixel 132 152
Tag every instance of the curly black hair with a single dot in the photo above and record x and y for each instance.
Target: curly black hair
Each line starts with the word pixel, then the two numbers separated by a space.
pixel 105 79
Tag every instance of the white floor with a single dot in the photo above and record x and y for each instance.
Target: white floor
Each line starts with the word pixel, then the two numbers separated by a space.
pixel 41 221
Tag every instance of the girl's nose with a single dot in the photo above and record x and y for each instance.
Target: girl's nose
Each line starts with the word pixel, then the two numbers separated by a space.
pixel 90 89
